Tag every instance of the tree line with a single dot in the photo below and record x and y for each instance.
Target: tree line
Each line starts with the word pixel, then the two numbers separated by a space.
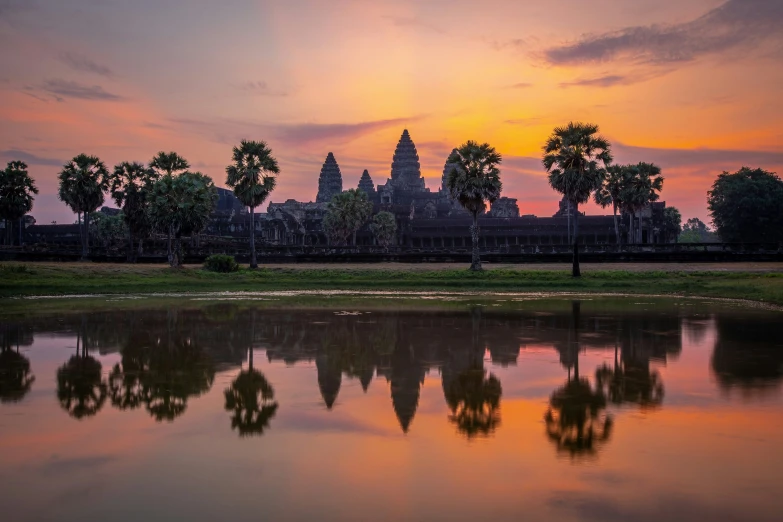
pixel 165 196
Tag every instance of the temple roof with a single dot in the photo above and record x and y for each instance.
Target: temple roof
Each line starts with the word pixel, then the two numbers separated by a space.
pixel 330 182
pixel 446 169
pixel 365 183
pixel 405 168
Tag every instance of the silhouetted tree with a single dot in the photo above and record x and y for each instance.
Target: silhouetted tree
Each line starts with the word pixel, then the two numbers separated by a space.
pixel 576 159
pixel 130 186
pixel 17 191
pixel 83 180
pixel 168 164
pixel 473 180
pixel 80 387
pixel 346 213
pixel 253 176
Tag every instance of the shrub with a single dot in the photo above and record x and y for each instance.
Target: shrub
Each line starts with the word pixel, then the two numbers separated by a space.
pixel 221 263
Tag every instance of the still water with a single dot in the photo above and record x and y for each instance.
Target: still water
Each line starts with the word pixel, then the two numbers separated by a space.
pixel 471 409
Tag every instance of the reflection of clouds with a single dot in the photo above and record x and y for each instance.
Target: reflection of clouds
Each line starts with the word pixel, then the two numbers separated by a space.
pixel 57 464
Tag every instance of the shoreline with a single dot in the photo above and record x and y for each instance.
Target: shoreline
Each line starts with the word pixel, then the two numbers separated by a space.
pixel 758 284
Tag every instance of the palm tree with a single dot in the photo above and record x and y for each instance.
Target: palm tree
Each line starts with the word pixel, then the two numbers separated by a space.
pixel 610 193
pixel 576 159
pixel 167 164
pixel 130 185
pixel 83 180
pixel 253 177
pixel 473 180
pixel 643 185
pixel 16 195
pixel 384 228
pixel 182 205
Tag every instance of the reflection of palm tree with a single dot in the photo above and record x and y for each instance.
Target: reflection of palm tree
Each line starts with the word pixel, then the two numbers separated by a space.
pixel 631 382
pixel 474 400
pixel 80 389
pixel 251 400
pixel 16 380
pixel 575 420
pixel 15 377
pixel 125 382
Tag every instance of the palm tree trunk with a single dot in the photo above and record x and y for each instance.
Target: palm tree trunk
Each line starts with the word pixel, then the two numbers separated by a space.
pixel 616 226
pixel 20 231
pixel 177 253
pixel 253 259
pixel 475 263
pixel 86 231
pixel 130 245
pixel 575 271
pixel 169 253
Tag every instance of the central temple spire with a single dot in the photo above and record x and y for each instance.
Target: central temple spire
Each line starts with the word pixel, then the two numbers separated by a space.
pixel 405 168
pixel 330 182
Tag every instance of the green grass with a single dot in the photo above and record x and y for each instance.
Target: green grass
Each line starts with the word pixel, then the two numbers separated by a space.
pixel 67 279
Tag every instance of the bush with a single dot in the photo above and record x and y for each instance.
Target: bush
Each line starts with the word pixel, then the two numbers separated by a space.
pixel 221 263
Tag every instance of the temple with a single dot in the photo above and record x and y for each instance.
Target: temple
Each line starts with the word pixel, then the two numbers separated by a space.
pixel 433 220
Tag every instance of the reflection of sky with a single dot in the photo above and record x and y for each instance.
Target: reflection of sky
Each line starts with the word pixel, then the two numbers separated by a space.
pixel 667 80
pixel 702 455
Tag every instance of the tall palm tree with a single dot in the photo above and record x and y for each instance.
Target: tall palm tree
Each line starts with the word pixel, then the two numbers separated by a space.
pixel 473 180
pixel 168 164
pixel 83 180
pixel 576 157
pixel 130 186
pixel 643 183
pixel 16 195
pixel 253 176
pixel 610 193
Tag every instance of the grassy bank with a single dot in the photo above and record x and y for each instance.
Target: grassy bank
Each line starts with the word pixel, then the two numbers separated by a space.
pixel 64 279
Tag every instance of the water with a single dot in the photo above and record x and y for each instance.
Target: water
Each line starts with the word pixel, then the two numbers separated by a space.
pixel 374 409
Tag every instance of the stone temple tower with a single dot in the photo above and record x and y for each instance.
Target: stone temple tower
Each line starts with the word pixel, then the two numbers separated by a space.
pixel 446 171
pixel 366 183
pixel 405 168
pixel 330 182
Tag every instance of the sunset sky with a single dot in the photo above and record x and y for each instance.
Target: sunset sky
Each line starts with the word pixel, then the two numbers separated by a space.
pixel 692 85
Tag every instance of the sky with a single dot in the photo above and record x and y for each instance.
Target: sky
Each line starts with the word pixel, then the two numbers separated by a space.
pixel 691 85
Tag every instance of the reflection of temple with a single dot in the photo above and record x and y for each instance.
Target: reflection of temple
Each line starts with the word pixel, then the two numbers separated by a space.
pixel 169 356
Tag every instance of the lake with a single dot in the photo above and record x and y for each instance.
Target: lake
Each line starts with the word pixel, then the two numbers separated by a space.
pixel 387 407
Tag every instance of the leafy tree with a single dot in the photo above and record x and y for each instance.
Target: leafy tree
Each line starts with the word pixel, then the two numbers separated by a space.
pixel 747 206
pixel 672 224
pixel 576 157
pixel 346 214
pixel 611 191
pixel 130 186
pixel 474 401
pixel 83 180
pixel 642 186
pixel 695 231
pixel 473 180
pixel 108 231
pixel 168 164
pixel 182 205
pixel 253 176
pixel 384 228
pixel 16 195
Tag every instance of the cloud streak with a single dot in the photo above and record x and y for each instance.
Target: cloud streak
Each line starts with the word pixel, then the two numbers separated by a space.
pixel 81 63
pixel 735 24
pixel 261 88
pixel 30 159
pixel 69 89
